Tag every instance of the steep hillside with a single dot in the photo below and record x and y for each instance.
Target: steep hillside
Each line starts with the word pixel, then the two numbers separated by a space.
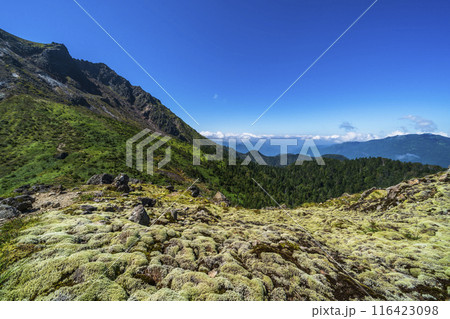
pixel 47 142
pixel 192 249
pixel 48 71
pixel 422 148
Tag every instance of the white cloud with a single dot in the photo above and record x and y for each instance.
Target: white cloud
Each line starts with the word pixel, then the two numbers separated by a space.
pixel 215 96
pixel 421 124
pixel 336 138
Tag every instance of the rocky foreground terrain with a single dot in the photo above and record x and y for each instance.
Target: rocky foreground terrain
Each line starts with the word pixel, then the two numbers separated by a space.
pixel 116 239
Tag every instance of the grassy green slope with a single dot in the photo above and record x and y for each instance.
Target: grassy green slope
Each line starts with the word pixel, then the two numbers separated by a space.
pixel 31 131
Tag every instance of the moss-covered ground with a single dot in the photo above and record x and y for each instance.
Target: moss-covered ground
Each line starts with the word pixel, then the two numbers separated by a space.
pixel 214 252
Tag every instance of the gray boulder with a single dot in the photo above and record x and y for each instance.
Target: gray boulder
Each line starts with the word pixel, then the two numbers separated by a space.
pixel 8 212
pixel 100 179
pixel 22 203
pixel 121 183
pixel 139 215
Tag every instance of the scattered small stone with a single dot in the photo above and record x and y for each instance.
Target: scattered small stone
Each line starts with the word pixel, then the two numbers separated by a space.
pixel 39 188
pixel 46 204
pixel 170 188
pixel 58 189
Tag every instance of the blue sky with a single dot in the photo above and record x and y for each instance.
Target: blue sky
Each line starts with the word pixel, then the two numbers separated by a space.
pixel 225 62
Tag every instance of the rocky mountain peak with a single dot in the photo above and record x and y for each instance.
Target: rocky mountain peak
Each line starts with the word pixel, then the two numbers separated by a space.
pixel 49 71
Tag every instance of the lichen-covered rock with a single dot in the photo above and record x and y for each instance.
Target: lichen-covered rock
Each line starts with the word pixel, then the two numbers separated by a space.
pixel 140 216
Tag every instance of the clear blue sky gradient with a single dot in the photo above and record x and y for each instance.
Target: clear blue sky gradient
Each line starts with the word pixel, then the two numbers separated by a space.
pixel 227 61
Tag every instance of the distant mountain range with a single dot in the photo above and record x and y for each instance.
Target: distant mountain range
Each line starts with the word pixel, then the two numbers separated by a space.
pixel 421 148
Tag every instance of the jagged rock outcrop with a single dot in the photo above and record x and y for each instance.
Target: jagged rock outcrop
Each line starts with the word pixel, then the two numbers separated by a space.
pixel 415 190
pixel 48 71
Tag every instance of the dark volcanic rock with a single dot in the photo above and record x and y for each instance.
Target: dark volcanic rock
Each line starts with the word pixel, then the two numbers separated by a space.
pixel 39 188
pixel 62 155
pixel 147 201
pixel 121 183
pixel 23 203
pixel 100 179
pixel 88 208
pixel 111 208
pixel 8 211
pixel 195 191
pixel 139 215
pixel 22 189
